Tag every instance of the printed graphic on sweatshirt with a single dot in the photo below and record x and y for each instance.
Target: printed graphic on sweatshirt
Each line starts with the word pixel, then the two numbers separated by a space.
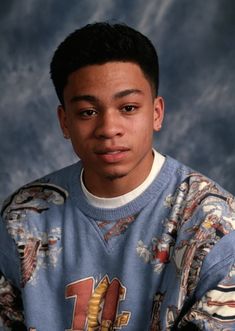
pixel 155 320
pixel 159 252
pixel 217 218
pixel 37 249
pixel 38 252
pixel 215 213
pixel 218 303
pixel 214 217
pixel 196 190
pixel 96 305
pixel 215 311
pixel 11 307
pixel 171 314
pixel 114 229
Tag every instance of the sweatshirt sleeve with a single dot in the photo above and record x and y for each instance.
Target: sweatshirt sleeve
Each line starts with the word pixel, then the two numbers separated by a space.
pixel 206 257
pixel 214 297
pixel 11 308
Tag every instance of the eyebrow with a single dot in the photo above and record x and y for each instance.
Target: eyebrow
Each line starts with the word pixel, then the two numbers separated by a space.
pixel 118 95
pixel 84 97
pixel 124 93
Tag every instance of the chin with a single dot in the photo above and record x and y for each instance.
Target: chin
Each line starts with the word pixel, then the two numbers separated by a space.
pixel 115 175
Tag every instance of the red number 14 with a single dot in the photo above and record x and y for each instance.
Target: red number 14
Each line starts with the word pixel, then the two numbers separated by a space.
pixel 97 308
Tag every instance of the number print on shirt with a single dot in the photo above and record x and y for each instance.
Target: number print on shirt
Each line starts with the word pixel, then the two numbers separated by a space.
pixel 97 306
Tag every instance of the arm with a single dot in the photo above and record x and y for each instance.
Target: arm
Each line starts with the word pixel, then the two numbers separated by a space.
pixel 215 311
pixel 11 307
pixel 207 299
pixel 212 305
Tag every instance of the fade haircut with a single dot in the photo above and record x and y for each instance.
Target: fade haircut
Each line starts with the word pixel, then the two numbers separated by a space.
pixel 100 43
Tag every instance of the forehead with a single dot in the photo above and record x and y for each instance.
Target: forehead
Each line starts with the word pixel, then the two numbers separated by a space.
pixel 107 77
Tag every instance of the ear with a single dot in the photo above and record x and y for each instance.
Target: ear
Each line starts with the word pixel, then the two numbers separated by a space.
pixel 158 114
pixel 62 116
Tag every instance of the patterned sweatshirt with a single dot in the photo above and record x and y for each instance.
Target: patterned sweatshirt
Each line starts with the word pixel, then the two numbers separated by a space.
pixel 164 261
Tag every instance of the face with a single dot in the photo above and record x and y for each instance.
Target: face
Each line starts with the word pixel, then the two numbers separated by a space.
pixel 109 114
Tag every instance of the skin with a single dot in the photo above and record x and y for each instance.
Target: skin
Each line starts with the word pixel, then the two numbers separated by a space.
pixel 110 114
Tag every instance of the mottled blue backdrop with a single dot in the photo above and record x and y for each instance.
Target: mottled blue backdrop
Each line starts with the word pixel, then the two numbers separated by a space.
pixel 196 45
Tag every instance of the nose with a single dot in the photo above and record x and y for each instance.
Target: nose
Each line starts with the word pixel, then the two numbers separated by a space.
pixel 109 125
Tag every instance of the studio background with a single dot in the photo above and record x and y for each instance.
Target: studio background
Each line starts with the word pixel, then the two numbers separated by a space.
pixel 195 41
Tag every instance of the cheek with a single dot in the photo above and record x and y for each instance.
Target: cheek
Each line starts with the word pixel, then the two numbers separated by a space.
pixel 76 140
pixel 77 132
pixel 81 143
pixel 143 138
pixel 143 127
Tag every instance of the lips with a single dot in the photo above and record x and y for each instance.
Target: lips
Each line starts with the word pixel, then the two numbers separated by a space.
pixel 111 150
pixel 112 154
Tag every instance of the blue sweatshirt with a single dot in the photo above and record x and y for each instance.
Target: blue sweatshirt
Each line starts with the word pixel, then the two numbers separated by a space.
pixel 164 261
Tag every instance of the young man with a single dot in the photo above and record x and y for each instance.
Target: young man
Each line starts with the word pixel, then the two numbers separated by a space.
pixel 126 239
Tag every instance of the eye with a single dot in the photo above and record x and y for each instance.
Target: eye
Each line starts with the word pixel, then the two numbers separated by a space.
pixel 129 108
pixel 87 113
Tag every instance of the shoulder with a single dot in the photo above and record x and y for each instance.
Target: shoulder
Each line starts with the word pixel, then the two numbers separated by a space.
pixel 204 211
pixel 30 217
pixel 193 189
pixel 51 188
pixel 202 219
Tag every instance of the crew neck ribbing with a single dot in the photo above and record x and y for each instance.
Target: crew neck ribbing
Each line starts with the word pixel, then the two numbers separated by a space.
pixel 153 191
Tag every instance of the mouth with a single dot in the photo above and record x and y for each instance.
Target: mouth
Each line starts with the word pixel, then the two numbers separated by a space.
pixel 112 155
pixel 111 150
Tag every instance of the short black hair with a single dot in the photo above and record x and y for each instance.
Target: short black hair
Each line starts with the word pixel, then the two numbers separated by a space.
pixel 99 43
